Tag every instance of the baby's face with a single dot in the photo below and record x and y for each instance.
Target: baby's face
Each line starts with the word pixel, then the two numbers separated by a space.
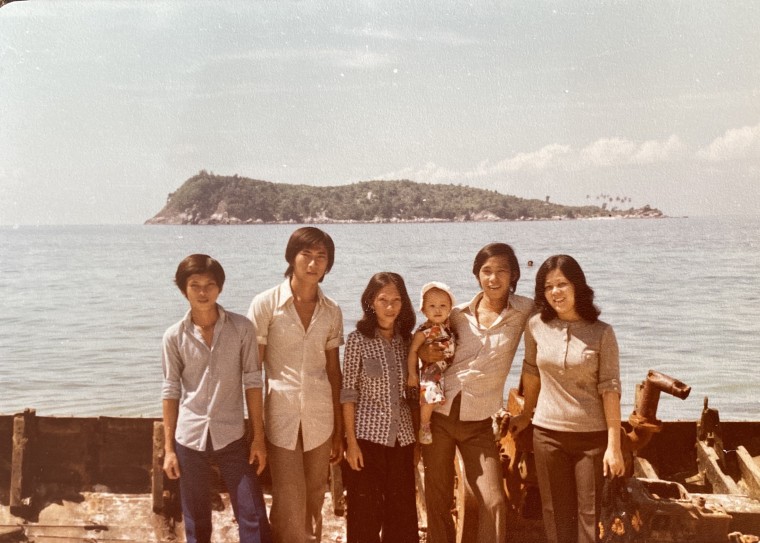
pixel 436 306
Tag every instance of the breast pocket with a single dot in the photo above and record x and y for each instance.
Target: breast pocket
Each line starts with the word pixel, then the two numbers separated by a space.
pixel 373 367
pixel 591 358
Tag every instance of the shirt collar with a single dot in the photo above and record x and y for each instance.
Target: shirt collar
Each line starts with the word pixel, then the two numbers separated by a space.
pixel 287 293
pixel 472 307
pixel 396 337
pixel 188 320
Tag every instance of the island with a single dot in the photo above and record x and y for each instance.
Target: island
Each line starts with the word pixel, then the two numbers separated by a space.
pixel 208 199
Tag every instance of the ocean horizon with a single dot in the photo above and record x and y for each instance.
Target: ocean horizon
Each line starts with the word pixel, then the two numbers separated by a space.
pixel 86 306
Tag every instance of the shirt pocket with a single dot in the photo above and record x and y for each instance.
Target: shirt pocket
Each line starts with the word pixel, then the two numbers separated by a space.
pixel 373 367
pixel 590 357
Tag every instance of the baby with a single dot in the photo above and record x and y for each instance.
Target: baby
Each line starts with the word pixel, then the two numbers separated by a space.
pixel 436 301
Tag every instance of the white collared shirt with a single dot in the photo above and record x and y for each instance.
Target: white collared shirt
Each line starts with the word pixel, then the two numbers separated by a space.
pixel 483 357
pixel 298 393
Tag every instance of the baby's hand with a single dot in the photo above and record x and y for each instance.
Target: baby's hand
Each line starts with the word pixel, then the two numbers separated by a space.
pixel 413 381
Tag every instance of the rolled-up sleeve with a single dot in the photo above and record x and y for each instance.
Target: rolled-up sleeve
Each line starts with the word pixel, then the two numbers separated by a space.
pixel 351 370
pixel 171 363
pixel 336 337
pixel 260 314
pixel 529 364
pixel 609 363
pixel 249 355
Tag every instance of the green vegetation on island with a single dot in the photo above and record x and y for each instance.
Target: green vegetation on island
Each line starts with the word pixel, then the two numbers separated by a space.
pixel 206 198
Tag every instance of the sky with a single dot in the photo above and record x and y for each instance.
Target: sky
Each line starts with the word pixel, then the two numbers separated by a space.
pixel 108 106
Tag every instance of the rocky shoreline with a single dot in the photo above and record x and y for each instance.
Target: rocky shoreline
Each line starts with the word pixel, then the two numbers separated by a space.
pixel 223 219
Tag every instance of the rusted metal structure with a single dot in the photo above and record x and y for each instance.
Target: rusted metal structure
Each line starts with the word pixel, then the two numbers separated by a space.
pixel 68 479
pixel 689 481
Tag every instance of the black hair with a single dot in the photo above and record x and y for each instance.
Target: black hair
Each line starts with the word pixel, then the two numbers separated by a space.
pixel 498 249
pixel 305 238
pixel 406 318
pixel 198 263
pixel 584 294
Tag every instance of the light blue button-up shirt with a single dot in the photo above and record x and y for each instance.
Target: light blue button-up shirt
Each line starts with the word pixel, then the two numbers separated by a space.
pixel 209 381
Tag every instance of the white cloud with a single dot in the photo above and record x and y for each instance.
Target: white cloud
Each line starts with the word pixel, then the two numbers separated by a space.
pixel 736 143
pixel 653 151
pixel 618 152
pixel 549 156
pixel 603 153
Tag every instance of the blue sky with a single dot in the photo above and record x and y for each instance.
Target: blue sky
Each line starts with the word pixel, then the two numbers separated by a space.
pixel 107 106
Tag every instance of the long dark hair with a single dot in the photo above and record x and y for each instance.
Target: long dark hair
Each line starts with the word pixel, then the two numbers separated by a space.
pixel 498 249
pixel 406 317
pixel 584 294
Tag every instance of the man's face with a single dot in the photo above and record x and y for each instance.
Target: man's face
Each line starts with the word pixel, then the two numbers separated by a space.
pixel 310 264
pixel 202 291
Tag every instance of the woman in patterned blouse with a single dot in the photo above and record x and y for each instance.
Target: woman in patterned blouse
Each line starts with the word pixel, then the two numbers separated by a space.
pixel 378 419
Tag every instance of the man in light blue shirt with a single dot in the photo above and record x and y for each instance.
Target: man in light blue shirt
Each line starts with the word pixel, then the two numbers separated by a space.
pixel 210 362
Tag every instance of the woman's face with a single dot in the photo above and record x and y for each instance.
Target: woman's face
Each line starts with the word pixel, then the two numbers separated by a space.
pixel 560 294
pixel 494 277
pixel 387 305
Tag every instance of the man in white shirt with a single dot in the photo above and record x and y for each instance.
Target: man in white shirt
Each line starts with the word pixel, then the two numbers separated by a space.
pixel 299 331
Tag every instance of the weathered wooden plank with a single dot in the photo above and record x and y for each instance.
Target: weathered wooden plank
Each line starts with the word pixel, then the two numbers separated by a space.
pixel 708 464
pixel 20 460
pixel 750 472
pixel 643 468
pixel 157 473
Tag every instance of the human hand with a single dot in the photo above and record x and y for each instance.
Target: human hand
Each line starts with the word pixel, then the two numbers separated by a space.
pixel 430 353
pixel 518 423
pixel 354 456
pixel 614 465
pixel 257 456
pixel 413 381
pixel 171 465
pixel 337 449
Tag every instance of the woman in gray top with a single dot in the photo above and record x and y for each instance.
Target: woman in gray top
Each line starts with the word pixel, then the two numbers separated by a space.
pixel 571 377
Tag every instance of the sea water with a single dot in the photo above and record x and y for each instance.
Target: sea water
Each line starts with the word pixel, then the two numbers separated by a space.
pixel 84 307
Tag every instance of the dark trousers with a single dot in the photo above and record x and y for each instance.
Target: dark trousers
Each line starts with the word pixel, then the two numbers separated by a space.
pixel 380 497
pixel 482 468
pixel 569 466
pixel 241 482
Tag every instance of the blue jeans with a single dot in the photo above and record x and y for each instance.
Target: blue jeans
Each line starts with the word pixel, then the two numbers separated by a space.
pixel 241 482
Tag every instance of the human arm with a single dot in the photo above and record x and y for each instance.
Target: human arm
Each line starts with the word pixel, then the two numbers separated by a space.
pixel 531 385
pixel 171 392
pixel 353 451
pixel 334 377
pixel 614 464
pixel 413 379
pixel 170 409
pixel 349 396
pixel 257 455
pixel 609 389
